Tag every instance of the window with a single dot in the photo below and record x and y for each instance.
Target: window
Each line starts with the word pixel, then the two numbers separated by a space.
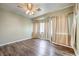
pixel 42 27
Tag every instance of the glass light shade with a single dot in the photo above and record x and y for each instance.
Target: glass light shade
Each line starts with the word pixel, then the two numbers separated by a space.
pixel 27 12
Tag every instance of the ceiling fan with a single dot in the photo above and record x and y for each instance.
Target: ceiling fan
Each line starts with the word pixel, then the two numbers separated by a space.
pixel 29 8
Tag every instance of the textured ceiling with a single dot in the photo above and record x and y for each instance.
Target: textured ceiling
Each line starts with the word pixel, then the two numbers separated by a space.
pixel 45 8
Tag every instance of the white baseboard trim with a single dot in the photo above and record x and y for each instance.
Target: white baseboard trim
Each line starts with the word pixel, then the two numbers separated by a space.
pixel 62 45
pixel 14 41
pixel 67 46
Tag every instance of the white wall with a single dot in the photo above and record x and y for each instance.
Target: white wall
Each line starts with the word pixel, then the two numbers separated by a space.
pixel 13 27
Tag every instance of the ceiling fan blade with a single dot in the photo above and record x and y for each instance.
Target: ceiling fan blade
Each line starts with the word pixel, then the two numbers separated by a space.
pixel 38 9
pixel 19 6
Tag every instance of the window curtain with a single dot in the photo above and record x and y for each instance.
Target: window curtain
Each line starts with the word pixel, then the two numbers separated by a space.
pixel 36 31
pixel 70 28
pixel 53 28
pixel 46 29
pixel 41 30
pixel 57 29
pixel 37 27
pixel 74 27
pixel 61 29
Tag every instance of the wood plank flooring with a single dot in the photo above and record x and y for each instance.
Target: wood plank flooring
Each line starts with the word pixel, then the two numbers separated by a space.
pixel 35 47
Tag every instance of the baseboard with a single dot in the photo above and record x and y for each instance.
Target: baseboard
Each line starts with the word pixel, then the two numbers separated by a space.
pixel 68 47
pixel 14 41
pixel 62 45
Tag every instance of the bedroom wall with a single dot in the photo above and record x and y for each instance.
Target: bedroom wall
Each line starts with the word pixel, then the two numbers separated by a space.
pixel 14 27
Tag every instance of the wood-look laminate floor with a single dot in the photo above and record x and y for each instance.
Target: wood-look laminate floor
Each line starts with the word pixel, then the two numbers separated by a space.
pixel 35 47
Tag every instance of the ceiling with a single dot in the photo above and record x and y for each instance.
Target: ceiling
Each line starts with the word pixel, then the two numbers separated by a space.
pixel 45 8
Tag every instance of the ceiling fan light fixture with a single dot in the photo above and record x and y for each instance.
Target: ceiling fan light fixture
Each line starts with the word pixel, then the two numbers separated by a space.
pixel 31 13
pixel 29 8
pixel 27 12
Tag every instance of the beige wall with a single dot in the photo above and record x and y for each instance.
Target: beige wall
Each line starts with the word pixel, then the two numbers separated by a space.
pixel 13 27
